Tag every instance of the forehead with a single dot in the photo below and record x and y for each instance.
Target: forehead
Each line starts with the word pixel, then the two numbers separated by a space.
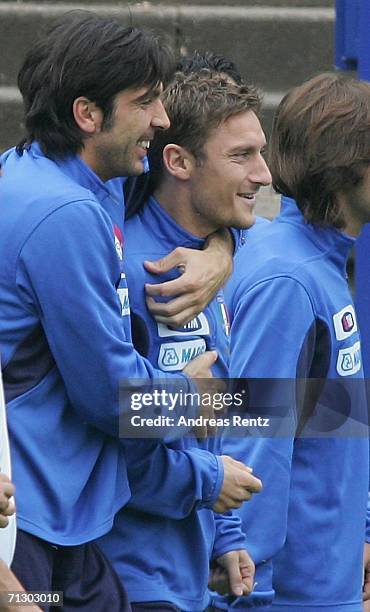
pixel 238 131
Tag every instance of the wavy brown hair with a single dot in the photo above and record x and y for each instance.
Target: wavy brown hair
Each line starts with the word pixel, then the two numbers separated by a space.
pixel 197 104
pixel 320 144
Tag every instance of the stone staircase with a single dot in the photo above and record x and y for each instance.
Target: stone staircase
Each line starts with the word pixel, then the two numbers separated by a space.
pixel 275 43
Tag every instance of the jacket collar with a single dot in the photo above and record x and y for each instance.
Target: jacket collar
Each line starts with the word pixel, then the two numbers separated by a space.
pixel 328 239
pixel 165 227
pixel 74 167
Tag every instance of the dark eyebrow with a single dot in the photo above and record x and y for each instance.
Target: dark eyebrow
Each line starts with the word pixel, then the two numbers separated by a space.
pixel 241 150
pixel 150 94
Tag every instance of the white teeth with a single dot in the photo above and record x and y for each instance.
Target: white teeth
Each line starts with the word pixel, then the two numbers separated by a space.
pixel 248 196
pixel 145 144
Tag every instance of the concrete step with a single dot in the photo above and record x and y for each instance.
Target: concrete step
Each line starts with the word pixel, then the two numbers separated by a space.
pixel 275 47
pixel 244 3
pixel 11 112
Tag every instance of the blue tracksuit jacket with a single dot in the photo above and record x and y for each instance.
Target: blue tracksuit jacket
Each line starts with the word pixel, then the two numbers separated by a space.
pixel 65 344
pixel 293 318
pixel 162 541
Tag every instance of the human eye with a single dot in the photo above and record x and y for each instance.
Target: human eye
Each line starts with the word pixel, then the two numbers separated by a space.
pixel 146 101
pixel 240 156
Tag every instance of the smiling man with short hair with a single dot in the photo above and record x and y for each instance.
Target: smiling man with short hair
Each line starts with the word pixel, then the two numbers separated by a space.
pixel 205 172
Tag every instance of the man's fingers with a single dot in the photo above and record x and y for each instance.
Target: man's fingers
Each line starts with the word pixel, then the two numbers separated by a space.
pixel 207 359
pixel 175 287
pixel 175 313
pixel 251 483
pixel 6 486
pixel 218 581
pixel 245 476
pixel 233 572
pixel 165 264
pixel 7 491
pixel 7 510
pixel 247 570
pixel 238 486
pixel 200 367
pixel 10 509
pixel 4 521
pixel 7 507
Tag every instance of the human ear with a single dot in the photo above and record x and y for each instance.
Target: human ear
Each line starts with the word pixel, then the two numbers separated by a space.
pixel 177 161
pixel 87 115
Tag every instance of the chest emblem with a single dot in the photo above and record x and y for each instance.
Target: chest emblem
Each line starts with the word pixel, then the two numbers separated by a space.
pixel 118 242
pixel 176 355
pixel 198 326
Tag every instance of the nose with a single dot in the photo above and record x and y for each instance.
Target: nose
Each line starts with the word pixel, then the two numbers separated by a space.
pixel 160 118
pixel 260 173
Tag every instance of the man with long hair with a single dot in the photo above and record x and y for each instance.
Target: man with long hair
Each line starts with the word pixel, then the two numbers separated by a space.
pixel 294 335
pixel 91 91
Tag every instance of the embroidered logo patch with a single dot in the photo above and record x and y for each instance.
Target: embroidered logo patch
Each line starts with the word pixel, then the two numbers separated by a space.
pixel 349 360
pixel 345 323
pixel 224 315
pixel 124 299
pixel 198 326
pixel 118 241
pixel 176 356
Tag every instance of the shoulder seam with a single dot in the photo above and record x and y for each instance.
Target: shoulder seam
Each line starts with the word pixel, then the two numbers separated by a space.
pixel 286 277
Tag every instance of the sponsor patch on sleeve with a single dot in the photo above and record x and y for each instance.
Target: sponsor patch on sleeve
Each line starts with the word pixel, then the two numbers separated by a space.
pixel 349 360
pixel 345 323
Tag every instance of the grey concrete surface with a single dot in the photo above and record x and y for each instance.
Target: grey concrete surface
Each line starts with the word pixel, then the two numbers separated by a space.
pixel 286 3
pixel 275 47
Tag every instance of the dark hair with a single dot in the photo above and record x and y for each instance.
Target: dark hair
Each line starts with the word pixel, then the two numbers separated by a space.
pixel 137 189
pixel 215 62
pixel 84 54
pixel 197 104
pixel 320 144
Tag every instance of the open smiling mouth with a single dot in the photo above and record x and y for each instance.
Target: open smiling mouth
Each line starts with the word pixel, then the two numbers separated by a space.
pixel 143 144
pixel 247 196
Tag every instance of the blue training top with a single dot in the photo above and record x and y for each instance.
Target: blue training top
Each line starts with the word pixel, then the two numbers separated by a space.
pixel 65 344
pixel 293 319
pixel 162 541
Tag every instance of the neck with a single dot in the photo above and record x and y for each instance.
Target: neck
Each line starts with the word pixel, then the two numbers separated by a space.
pixel 175 199
pixel 352 229
pixel 352 222
pixel 88 155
